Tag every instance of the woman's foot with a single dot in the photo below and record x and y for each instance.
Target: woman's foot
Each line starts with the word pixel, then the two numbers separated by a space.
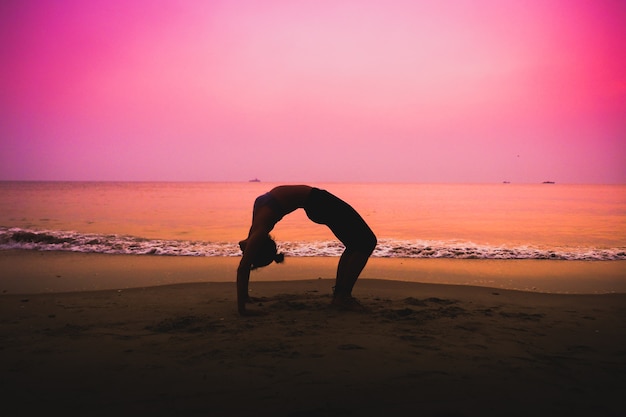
pixel 347 303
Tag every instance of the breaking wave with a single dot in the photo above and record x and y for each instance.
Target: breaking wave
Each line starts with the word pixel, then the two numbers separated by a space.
pixel 47 240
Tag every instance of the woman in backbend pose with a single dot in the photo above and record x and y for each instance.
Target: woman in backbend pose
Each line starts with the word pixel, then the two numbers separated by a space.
pixel 259 249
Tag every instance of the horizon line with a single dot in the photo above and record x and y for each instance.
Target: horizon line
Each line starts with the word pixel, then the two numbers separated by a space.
pixel 546 182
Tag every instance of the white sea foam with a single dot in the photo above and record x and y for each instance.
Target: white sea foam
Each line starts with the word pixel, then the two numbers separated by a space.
pixel 52 240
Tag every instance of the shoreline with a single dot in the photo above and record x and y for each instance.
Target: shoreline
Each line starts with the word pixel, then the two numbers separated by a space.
pixel 30 272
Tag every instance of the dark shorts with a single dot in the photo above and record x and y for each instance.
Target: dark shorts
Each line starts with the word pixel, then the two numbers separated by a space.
pixel 324 208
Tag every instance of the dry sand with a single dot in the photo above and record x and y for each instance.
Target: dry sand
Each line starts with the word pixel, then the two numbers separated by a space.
pixel 181 349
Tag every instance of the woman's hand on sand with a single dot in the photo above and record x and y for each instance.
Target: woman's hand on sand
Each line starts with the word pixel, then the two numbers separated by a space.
pixel 257 300
pixel 252 313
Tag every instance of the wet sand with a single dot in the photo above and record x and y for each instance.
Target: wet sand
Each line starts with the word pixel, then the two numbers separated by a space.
pixel 421 349
pixel 34 272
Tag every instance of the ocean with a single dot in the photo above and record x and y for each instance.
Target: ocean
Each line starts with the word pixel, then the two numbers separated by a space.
pixel 464 221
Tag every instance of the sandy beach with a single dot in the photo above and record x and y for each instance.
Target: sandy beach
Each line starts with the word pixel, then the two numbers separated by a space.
pixel 174 345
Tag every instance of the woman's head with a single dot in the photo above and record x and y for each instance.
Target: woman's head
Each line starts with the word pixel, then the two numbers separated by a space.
pixel 266 254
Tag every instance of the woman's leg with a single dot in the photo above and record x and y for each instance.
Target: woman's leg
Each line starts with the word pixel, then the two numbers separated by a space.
pixel 350 266
pixel 349 227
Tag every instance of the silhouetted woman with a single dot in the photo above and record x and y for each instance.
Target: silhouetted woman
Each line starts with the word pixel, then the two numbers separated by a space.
pixel 259 249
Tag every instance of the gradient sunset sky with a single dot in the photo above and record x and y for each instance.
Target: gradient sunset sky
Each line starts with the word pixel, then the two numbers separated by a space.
pixel 314 91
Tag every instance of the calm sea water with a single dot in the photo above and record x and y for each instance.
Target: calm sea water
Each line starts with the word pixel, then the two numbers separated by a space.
pixel 501 221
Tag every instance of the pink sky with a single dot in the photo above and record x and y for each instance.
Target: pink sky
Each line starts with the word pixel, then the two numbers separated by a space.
pixel 314 91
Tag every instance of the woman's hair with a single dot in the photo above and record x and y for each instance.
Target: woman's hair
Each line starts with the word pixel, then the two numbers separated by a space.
pixel 267 254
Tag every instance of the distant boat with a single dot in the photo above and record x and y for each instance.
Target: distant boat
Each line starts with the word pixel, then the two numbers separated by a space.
pixel 548 182
pixel 506 182
pixel 254 180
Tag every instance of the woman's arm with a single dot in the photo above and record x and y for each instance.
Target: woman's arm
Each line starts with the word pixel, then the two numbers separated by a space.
pixel 263 222
pixel 243 271
pixel 243 278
